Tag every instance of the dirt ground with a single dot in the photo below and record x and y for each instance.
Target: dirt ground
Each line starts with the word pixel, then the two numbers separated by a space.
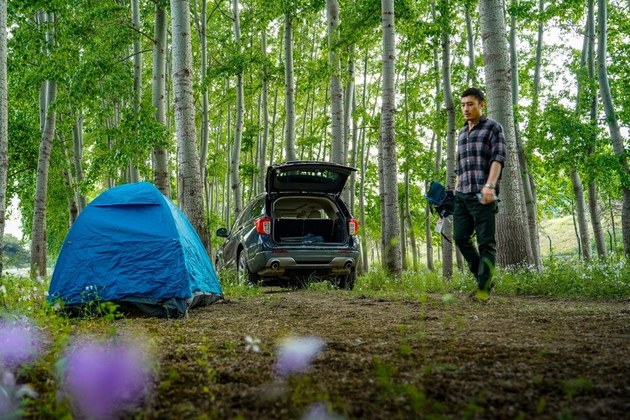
pixel 437 356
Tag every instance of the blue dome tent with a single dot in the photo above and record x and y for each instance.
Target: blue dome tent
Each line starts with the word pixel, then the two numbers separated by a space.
pixel 132 246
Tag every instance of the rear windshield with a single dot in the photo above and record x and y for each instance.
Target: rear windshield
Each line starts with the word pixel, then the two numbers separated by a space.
pixel 297 179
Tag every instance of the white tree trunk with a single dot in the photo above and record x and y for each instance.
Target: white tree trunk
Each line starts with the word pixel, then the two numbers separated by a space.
pixel 238 124
pixel 77 142
pixel 526 179
pixel 613 125
pixel 390 218
pixel 262 157
pixel 289 89
pixel 336 91
pixel 513 244
pixel 38 235
pixel 580 204
pixel 447 228
pixel 4 124
pixel 161 175
pixel 134 173
pixel 189 174
pixel 471 76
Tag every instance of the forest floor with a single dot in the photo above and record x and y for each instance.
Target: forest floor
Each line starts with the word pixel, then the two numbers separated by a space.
pixel 438 356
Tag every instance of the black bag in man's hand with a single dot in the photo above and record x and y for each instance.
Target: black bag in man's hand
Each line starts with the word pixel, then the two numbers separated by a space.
pixel 441 199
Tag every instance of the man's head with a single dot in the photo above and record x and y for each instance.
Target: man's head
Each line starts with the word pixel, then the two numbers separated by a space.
pixel 472 104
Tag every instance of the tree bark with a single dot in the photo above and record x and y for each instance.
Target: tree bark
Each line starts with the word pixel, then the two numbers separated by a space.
pixel 191 192
pixel 526 179
pixel 158 93
pixel 134 173
pixel 77 142
pixel 593 202
pixel 363 158
pixel 611 119
pixel 289 89
pixel 336 91
pixel 580 205
pixel 513 243
pixel 471 76
pixel 238 124
pixel 4 125
pixel 262 157
pixel 447 227
pixel 389 219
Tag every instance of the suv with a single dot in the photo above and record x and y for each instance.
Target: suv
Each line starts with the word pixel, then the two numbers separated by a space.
pixel 297 229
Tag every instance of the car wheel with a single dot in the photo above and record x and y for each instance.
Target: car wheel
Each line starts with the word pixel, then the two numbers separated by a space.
pixel 244 275
pixel 346 282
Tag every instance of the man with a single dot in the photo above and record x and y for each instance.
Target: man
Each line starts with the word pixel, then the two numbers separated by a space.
pixel 480 158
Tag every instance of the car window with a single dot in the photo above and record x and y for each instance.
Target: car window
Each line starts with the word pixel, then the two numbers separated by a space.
pixel 257 208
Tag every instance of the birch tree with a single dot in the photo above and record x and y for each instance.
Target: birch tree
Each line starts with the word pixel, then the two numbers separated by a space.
pixel 238 125
pixel 49 94
pixel 336 91
pixel 191 192
pixel 513 244
pixel 289 88
pixel 158 96
pixel 4 124
pixel 611 118
pixel 526 178
pixel 390 220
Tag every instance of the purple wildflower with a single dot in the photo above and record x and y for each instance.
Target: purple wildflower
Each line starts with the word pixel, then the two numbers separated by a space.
pixel 19 343
pixel 296 354
pixel 104 380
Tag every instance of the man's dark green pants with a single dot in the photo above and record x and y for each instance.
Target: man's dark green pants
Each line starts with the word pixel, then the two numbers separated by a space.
pixel 469 217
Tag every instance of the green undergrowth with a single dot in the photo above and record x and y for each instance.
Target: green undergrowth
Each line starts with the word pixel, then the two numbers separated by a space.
pixel 572 278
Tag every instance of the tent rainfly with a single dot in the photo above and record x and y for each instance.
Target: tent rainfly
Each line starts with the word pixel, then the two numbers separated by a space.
pixel 132 246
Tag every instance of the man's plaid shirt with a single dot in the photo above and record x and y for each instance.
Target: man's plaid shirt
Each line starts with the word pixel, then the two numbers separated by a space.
pixel 476 150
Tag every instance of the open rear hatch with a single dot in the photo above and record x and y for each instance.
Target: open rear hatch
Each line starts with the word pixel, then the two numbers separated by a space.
pixel 308 176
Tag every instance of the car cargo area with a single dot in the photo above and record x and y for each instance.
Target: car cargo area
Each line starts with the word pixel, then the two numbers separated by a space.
pixel 307 220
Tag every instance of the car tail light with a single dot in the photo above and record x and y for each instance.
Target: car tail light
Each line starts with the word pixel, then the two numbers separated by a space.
pixel 263 225
pixel 353 226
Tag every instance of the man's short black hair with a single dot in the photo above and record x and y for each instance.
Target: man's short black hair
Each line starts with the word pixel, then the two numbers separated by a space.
pixel 473 91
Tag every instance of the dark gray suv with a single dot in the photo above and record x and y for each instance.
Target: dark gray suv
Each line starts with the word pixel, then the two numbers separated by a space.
pixel 299 229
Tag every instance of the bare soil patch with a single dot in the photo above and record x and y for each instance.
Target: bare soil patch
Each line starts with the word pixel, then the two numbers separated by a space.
pixel 386 358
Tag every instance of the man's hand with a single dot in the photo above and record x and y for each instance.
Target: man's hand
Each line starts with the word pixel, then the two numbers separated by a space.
pixel 487 195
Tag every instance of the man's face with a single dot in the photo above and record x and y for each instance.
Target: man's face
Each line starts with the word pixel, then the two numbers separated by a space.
pixel 471 108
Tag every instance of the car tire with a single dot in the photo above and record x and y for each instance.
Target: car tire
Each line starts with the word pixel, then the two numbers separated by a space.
pixel 244 275
pixel 346 282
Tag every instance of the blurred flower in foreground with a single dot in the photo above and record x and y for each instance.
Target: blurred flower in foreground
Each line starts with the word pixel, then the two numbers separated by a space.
pixel 20 342
pixel 103 380
pixel 296 354
pixel 10 394
pixel 320 411
pixel 253 344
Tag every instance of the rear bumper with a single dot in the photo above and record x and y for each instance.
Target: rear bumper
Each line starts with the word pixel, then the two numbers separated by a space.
pixel 328 261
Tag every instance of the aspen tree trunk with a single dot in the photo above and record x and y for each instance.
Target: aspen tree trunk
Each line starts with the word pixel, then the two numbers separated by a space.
pixel 203 46
pixel 406 211
pixel 389 218
pixel 77 137
pixel 191 192
pixel 262 157
pixel 4 125
pixel 594 207
pixel 513 244
pixel 580 206
pixel 132 169
pixel 336 91
pixel 349 131
pixel 158 93
pixel 38 235
pixel 611 118
pixel 526 178
pixel 363 158
pixel 471 75
pixel 447 227
pixel 289 89
pixel 238 125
